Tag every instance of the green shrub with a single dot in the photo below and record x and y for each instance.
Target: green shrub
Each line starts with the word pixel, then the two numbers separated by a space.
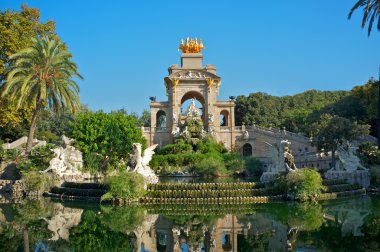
pixel 234 162
pixel 253 166
pixel 3 154
pixel 209 145
pixel 12 154
pixel 212 166
pixel 304 184
pixel 41 156
pixel 128 185
pixel 36 181
pixel 178 148
pixel 48 136
pixel 93 162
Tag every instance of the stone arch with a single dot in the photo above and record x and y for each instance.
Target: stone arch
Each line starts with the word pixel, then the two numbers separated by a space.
pixel 193 94
pixel 199 97
pixel 224 118
pixel 247 149
pixel 161 119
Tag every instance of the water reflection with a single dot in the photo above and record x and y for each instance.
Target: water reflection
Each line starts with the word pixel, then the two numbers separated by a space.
pixel 44 225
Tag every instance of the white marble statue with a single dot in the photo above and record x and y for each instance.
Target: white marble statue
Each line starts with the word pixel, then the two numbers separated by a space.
pixel 175 118
pixel 142 162
pixel 348 161
pixel 176 132
pixel 192 110
pixel 282 160
pixel 67 164
pixel 210 118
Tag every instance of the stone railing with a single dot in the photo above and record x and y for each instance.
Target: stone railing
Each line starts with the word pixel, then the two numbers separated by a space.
pixel 145 129
pixel 21 141
pixel 225 128
pixel 162 129
pixel 15 144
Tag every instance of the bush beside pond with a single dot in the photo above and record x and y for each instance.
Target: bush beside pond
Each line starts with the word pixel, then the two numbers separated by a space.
pixel 124 185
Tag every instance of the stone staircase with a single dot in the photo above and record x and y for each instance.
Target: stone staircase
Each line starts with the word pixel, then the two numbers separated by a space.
pixel 199 193
pixel 209 193
pixel 78 191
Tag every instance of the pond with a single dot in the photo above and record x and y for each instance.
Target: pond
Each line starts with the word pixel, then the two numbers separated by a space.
pixel 351 224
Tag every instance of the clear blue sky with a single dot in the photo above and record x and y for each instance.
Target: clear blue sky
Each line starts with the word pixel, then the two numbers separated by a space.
pixel 123 48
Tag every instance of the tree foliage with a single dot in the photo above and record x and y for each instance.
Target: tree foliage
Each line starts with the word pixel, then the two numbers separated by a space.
pixel 371 13
pixel 41 74
pixel 298 112
pixel 17 30
pixel 290 112
pixel 334 130
pixel 109 135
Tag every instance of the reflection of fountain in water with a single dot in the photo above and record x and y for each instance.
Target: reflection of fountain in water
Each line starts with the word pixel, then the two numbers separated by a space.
pixel 63 219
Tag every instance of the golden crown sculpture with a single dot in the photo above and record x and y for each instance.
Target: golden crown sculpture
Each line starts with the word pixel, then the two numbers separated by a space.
pixel 191 46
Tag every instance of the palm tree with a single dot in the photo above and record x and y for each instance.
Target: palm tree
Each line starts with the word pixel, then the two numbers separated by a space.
pixel 41 75
pixel 371 9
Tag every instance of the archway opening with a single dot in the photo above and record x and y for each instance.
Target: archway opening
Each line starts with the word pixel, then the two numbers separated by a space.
pixel 199 102
pixel 224 116
pixel 247 150
pixel 161 119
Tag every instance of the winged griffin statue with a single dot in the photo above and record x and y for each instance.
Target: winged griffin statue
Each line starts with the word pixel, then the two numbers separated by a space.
pixel 142 162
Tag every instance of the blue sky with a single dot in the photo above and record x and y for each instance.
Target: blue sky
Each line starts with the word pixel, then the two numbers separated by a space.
pixel 123 48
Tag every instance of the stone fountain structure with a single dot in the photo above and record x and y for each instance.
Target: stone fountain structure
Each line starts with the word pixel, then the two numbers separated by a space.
pixel 348 167
pixel 282 160
pixel 67 163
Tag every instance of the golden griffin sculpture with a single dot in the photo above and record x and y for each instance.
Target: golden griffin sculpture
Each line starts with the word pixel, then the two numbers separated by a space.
pixel 191 46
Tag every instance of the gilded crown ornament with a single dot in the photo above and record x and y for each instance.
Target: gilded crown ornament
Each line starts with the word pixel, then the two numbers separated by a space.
pixel 191 46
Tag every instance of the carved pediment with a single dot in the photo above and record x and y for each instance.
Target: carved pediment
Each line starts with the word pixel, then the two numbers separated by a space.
pixel 192 75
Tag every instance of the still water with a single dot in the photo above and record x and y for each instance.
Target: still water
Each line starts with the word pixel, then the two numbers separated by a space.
pixel 351 224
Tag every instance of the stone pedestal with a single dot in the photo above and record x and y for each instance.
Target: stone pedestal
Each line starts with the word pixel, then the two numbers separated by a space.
pixel 361 177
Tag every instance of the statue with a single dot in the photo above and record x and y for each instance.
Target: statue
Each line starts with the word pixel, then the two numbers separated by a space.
pixel 67 162
pixel 191 46
pixel 289 158
pixel 348 161
pixel 245 135
pixel 282 160
pixel 210 118
pixel 175 118
pixel 192 110
pixel 142 163
pixel 176 132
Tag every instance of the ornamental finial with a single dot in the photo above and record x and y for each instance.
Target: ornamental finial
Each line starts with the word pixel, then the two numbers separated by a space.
pixel 191 45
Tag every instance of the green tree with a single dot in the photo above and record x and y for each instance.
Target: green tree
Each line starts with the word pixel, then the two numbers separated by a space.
pixel 371 13
pixel 17 30
pixel 144 119
pixel 334 130
pixel 109 135
pixel 42 75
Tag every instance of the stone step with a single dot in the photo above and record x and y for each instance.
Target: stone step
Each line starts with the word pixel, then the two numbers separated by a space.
pixel 89 185
pixel 207 193
pixel 342 188
pixel 206 186
pixel 78 192
pixel 328 182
